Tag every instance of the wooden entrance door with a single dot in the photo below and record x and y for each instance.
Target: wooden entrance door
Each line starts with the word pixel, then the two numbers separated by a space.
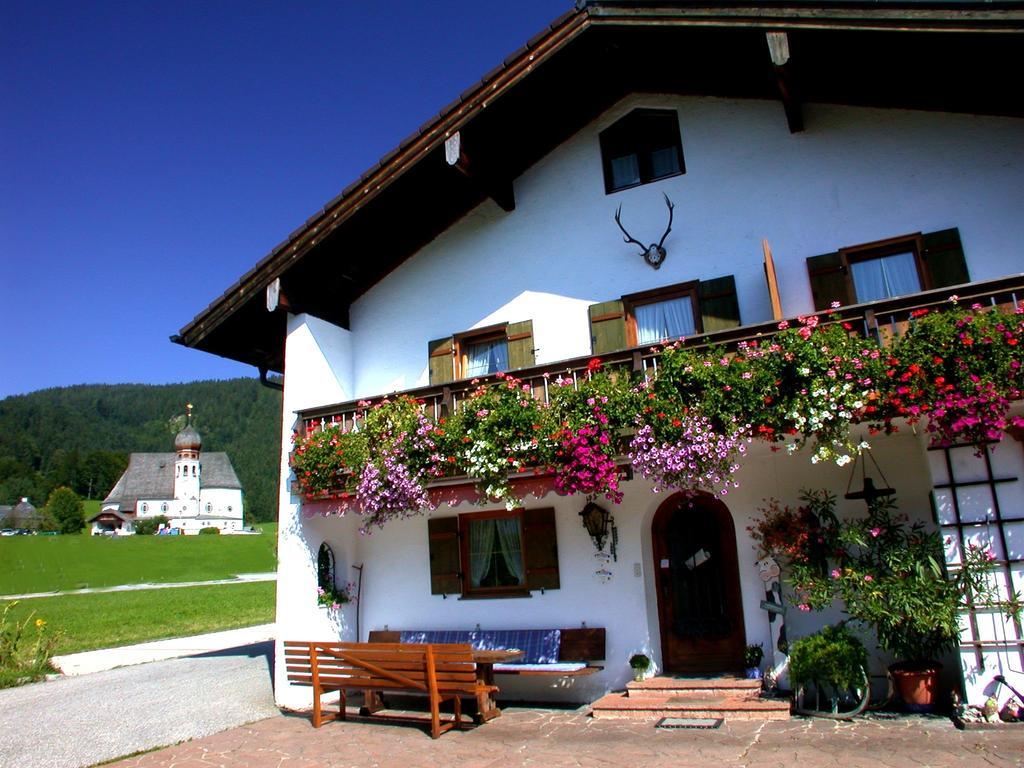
pixel 697 578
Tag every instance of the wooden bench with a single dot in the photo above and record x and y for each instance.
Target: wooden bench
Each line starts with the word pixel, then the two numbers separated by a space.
pixel 576 646
pixel 442 671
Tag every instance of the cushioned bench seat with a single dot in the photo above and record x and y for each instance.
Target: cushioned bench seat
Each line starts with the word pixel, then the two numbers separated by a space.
pixel 548 652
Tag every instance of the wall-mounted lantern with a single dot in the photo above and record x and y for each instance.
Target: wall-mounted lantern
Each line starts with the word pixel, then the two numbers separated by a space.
pixel 596 520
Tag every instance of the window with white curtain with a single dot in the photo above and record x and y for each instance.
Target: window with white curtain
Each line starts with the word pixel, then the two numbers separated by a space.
pixel 883 277
pixel 485 357
pixel 493 545
pixel 664 320
pixel 641 147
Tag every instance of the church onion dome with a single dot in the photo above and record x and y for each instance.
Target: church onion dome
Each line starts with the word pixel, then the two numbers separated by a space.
pixel 188 439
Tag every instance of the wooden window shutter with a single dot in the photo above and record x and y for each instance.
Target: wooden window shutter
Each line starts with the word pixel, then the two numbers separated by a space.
pixel 520 344
pixel 607 327
pixel 540 548
pixel 719 307
pixel 943 256
pixel 443 540
pixel 829 280
pixel 442 364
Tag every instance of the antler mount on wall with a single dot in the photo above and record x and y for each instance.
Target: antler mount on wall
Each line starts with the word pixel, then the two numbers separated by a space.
pixel 654 253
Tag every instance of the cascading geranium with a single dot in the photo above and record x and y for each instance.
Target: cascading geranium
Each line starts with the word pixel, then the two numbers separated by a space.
pixel 693 456
pixel 585 462
pixel 404 457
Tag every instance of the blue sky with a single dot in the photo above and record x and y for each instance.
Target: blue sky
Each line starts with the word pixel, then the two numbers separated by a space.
pixel 150 153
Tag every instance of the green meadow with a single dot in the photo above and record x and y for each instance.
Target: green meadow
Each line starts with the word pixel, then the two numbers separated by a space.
pixel 109 619
pixel 57 563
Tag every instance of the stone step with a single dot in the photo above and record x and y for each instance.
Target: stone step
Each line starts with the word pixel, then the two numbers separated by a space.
pixel 693 686
pixel 729 707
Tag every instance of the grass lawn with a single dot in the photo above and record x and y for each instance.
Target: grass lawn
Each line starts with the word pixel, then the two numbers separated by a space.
pixel 46 563
pixel 86 622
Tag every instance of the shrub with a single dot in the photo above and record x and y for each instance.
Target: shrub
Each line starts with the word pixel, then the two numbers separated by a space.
pixel 831 657
pixel 209 531
pixel 147 526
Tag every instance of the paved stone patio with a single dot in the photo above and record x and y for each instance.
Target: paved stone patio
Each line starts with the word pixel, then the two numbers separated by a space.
pixel 545 737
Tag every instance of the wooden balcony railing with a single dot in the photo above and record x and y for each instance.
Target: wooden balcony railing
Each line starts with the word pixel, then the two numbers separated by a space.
pixel 883 320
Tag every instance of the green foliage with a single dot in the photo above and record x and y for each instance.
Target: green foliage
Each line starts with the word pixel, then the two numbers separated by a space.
pixel 42 563
pixel 111 619
pixel 25 647
pixel 66 509
pixel 212 531
pixel 831 657
pixel 888 573
pixel 147 526
pixel 81 436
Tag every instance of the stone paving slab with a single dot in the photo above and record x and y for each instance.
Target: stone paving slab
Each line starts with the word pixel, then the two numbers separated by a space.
pixel 545 737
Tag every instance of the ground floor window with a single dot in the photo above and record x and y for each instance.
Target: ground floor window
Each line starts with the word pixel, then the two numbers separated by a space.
pixel 494 545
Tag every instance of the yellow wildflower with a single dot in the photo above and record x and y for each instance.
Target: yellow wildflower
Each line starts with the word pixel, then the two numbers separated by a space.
pixel 40 623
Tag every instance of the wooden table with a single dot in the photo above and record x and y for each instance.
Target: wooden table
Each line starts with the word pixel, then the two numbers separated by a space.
pixel 486 706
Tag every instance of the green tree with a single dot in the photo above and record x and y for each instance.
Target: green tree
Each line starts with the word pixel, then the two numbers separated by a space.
pixel 66 509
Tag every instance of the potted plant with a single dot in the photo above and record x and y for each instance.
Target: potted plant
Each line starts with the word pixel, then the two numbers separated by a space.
pixel 752 661
pixel 640 663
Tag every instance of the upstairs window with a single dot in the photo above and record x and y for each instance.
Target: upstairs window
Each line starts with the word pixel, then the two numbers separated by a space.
pixel 888 268
pixel 661 315
pixel 642 147
pixel 664 314
pixel 481 352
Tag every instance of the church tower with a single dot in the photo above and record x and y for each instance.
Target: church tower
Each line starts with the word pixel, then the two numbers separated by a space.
pixel 187 469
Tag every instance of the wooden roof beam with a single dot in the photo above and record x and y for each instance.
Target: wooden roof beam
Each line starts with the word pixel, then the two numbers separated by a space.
pixel 785 81
pixel 491 183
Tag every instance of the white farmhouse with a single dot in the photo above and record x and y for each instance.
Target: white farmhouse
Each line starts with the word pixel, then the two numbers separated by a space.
pixel 193 490
pixel 813 151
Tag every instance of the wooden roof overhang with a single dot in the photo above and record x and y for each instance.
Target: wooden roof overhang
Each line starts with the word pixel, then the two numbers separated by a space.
pixel 920 55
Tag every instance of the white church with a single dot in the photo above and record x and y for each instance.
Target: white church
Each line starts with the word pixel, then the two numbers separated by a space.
pixel 193 490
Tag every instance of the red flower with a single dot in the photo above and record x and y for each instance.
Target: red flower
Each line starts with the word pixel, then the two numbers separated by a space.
pixel 594 364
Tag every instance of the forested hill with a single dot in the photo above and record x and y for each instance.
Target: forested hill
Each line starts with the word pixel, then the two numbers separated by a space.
pixel 81 436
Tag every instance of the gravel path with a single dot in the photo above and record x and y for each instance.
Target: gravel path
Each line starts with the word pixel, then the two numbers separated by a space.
pixel 80 721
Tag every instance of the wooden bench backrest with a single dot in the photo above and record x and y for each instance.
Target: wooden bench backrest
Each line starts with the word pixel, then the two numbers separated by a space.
pixel 586 644
pixel 381 665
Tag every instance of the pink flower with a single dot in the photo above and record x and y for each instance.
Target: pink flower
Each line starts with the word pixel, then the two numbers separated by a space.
pixel 869 578
pixel 482 413
pixel 875 532
pixel 804 607
pixel 836 573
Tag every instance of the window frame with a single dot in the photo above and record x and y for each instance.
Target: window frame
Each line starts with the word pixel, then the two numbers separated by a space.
pixel 462 341
pixel 468 590
pixel 631 301
pixel 879 249
pixel 641 145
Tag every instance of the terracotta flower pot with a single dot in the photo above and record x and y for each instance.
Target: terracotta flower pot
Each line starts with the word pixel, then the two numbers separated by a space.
pixel 917 684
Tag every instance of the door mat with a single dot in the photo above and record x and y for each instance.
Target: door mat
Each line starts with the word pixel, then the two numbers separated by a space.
pixel 690 722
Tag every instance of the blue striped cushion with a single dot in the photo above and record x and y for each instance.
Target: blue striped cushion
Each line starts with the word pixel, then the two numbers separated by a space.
pixel 539 646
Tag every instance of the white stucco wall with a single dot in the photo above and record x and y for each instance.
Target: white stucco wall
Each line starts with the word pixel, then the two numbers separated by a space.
pixel 855 175
pixel 318 371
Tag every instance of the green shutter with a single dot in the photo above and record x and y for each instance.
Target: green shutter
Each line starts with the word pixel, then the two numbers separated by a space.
pixel 607 327
pixel 719 307
pixel 944 258
pixel 540 548
pixel 443 541
pixel 520 345
pixel 442 367
pixel 828 274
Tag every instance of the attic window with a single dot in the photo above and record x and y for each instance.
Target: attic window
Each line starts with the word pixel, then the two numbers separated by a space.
pixel 642 147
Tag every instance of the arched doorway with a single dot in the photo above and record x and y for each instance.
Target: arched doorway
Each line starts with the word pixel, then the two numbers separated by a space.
pixel 696 575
